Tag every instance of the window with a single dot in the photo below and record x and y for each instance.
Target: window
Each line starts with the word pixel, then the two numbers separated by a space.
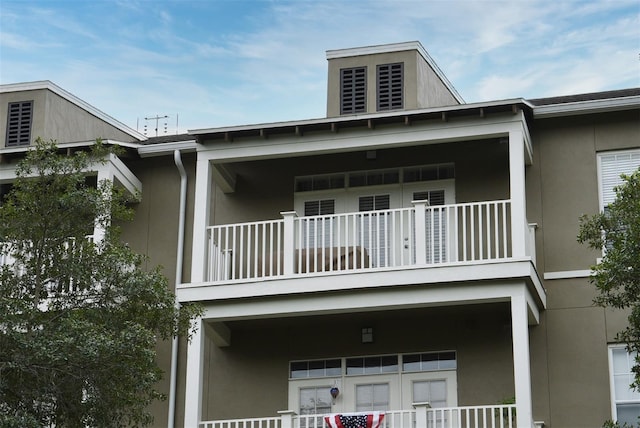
pixel 372 382
pixel 390 86
pixel 625 401
pixel 373 396
pixel 610 166
pixel 315 401
pixel 374 228
pixel 315 368
pixel 353 90
pixel 372 365
pixel 432 361
pixel 316 229
pixel 19 119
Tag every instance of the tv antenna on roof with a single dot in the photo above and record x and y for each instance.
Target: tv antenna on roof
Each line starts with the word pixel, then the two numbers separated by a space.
pixel 157 119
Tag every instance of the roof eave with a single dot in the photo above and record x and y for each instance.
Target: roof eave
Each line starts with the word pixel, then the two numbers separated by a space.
pixel 586 107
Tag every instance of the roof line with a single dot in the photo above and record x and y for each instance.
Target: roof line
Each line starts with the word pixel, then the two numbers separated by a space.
pixel 349 118
pixel 47 84
pixel 586 107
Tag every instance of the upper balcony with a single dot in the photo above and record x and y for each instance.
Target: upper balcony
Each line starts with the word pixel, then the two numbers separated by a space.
pixel 257 233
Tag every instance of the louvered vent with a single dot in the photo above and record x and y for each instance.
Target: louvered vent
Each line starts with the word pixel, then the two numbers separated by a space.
pixel 353 90
pixel 320 207
pixel 374 203
pixel 435 197
pixel 390 87
pixel 19 123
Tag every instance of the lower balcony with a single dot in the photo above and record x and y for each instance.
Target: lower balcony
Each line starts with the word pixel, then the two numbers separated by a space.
pixel 422 415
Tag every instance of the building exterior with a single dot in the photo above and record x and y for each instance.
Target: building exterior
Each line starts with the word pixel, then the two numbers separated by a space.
pixel 408 248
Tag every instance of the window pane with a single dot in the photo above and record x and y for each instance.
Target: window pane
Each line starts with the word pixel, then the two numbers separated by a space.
pixel 390 364
pixel 355 366
pixel 315 400
pixel 316 368
pixel 628 413
pixel 299 370
pixel 372 397
pixel 620 360
pixel 433 392
pixel 334 368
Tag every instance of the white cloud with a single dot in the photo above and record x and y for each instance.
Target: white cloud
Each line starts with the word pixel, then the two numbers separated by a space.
pixel 219 64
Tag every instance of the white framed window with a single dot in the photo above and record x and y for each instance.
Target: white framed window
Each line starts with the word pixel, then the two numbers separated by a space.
pixel 625 401
pixel 372 396
pixel 373 382
pixel 610 166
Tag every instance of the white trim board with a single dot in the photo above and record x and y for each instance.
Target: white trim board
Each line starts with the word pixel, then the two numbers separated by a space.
pixel 566 274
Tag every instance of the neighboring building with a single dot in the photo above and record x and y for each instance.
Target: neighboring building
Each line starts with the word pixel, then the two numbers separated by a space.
pixel 407 248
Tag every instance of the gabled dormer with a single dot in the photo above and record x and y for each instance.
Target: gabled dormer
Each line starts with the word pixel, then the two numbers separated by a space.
pixel 373 79
pixel 43 109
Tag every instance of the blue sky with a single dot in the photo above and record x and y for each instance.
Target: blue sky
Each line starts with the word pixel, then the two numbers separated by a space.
pixel 230 62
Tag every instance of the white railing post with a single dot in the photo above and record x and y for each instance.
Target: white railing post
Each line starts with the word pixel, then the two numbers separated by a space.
pixel 421 414
pixel 420 208
pixel 288 245
pixel 286 418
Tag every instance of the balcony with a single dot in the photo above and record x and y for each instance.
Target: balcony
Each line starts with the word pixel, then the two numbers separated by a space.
pixel 394 239
pixel 491 416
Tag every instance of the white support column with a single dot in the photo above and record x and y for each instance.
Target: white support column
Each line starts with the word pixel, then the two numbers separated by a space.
pixel 201 215
pixel 519 226
pixel 193 387
pixel 105 172
pixel 521 360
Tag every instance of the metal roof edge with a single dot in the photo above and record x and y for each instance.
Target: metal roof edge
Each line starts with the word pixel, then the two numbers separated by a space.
pixel 345 118
pixel 164 149
pixel 586 107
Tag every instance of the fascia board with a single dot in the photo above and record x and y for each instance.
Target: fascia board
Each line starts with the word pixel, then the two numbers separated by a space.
pixel 587 107
pixel 165 149
pixel 373 116
pixel 24 149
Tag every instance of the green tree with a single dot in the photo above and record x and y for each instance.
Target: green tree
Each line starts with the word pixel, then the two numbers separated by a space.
pixel 617 276
pixel 79 320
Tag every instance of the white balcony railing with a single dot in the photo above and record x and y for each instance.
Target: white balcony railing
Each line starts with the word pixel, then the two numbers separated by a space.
pixel 70 249
pixel 416 236
pixel 491 416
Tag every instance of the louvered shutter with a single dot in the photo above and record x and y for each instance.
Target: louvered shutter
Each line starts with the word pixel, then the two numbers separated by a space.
pixel 374 228
pixel 317 229
pixel 390 86
pixel 435 227
pixel 353 90
pixel 19 119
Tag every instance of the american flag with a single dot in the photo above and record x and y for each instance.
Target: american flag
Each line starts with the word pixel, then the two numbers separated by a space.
pixel 354 420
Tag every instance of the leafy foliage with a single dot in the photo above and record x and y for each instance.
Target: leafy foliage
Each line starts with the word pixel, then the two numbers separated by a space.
pixel 617 277
pixel 79 320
